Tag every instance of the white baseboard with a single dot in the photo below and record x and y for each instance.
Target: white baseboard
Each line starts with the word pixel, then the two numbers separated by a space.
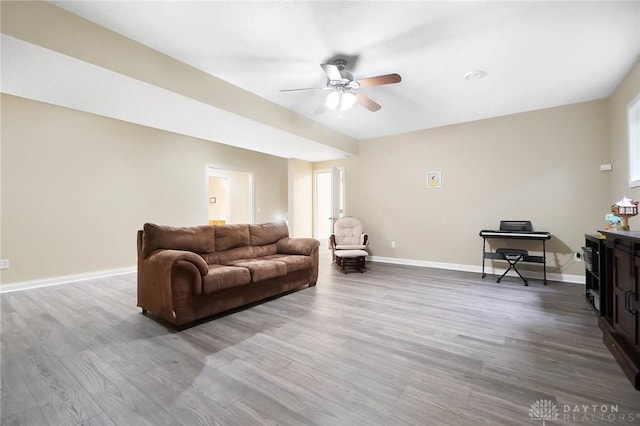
pixel 46 282
pixel 568 278
pixel 65 279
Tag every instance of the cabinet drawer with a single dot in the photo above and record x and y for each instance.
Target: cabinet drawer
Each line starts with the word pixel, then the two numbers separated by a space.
pixel 630 367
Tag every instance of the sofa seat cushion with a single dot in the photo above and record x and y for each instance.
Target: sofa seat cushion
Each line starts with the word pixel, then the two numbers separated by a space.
pixel 221 277
pixel 262 269
pixel 294 262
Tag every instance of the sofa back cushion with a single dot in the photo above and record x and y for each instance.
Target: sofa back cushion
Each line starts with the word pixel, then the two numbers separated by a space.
pixel 228 256
pixel 267 233
pixel 211 258
pixel 231 236
pixel 261 251
pixel 198 239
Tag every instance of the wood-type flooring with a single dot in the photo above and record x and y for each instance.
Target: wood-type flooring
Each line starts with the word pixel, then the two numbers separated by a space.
pixel 396 345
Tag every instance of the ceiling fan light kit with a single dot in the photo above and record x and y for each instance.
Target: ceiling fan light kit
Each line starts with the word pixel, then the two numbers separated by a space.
pixel 344 88
pixel 339 101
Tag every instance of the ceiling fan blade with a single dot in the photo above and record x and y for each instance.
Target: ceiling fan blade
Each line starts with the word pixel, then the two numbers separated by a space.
pixel 332 72
pixel 379 80
pixel 321 108
pixel 304 88
pixel 367 103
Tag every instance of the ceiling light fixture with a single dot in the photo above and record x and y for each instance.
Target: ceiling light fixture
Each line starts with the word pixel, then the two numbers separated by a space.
pixel 341 101
pixel 475 75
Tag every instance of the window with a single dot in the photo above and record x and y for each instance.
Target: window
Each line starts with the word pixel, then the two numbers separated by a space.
pixel 634 142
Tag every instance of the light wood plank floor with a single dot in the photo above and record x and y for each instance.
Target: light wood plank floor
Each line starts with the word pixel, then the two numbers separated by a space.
pixel 393 346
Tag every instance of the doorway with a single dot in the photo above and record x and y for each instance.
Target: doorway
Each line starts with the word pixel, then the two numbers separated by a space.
pixel 328 201
pixel 230 196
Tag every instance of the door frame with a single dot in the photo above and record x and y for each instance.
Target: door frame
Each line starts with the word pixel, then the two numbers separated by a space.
pixel 218 170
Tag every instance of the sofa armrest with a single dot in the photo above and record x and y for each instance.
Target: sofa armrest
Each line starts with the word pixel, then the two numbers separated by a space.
pixel 297 245
pixel 161 257
pixel 155 279
pixel 165 260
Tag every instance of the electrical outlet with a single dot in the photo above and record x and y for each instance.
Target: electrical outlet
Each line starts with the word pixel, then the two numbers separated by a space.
pixel 577 256
pixel 393 244
pixel 4 263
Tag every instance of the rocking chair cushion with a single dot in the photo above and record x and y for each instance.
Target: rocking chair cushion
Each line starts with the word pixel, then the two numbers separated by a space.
pixel 350 247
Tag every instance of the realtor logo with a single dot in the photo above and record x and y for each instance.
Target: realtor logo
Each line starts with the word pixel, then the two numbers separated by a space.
pixel 543 409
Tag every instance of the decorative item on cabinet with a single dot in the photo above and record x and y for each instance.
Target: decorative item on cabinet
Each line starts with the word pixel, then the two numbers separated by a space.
pixel 625 209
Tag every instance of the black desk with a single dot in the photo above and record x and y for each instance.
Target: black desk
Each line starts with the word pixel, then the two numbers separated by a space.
pixel 516 235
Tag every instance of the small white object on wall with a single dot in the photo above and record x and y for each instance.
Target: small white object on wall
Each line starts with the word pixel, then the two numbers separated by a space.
pixel 606 167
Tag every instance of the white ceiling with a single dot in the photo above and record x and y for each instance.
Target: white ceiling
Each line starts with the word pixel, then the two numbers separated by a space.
pixel 535 54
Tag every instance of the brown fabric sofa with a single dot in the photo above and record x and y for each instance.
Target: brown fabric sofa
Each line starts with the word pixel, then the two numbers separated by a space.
pixel 185 274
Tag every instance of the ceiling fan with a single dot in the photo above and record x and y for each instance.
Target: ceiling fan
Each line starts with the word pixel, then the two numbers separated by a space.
pixel 344 88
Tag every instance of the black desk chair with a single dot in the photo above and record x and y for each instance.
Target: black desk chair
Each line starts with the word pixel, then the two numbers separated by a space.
pixel 513 256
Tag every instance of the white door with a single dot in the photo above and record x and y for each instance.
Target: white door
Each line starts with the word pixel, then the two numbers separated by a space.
pixel 328 202
pixel 337 194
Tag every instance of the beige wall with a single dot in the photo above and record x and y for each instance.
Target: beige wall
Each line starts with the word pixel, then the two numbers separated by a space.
pixel 618 135
pixel 76 187
pixel 541 165
pixel 239 188
pixel 300 212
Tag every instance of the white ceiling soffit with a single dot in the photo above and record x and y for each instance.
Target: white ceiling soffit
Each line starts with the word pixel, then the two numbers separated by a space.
pixel 535 54
pixel 41 74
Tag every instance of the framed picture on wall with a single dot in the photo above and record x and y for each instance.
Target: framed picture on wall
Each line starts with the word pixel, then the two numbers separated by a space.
pixel 434 180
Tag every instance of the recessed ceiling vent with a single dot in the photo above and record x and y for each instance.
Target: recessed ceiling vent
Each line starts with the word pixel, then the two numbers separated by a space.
pixel 475 75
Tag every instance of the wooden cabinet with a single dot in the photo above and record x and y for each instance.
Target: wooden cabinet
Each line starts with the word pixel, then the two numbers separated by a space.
pixel 625 316
pixel 620 284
